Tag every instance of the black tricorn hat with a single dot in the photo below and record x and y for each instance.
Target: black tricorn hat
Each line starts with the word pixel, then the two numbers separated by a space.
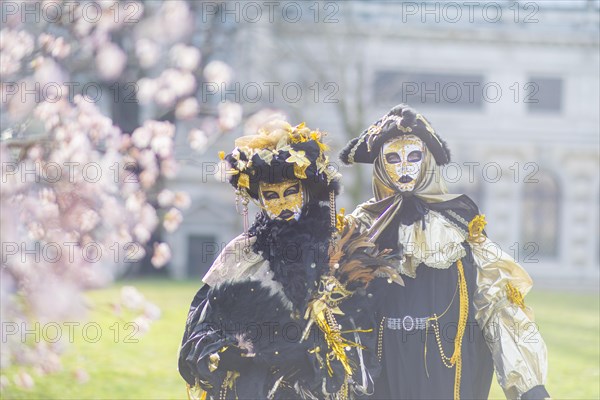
pixel 400 120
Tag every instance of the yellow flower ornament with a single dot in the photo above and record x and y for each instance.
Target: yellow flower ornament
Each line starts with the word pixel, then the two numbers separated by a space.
pixel 298 157
pixel 476 227
pixel 300 161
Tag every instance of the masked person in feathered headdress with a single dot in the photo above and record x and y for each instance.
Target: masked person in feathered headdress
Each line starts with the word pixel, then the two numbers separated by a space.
pixel 461 312
pixel 277 317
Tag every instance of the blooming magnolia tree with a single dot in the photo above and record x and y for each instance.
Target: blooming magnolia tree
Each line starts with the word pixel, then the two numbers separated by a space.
pixel 80 197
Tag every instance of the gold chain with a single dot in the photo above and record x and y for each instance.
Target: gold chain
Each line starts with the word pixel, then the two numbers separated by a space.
pixel 228 383
pixel 380 340
pixel 332 212
pixel 456 359
pixel 342 394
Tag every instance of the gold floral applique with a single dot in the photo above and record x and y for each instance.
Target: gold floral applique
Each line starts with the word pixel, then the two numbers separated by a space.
pixel 341 222
pixel 476 227
pixel 515 296
pixel 244 181
pixel 301 162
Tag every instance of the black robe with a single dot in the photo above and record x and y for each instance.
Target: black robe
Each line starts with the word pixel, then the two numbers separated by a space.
pixel 407 372
pixel 297 255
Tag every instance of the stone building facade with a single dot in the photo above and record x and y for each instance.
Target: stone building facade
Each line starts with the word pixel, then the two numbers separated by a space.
pixel 516 98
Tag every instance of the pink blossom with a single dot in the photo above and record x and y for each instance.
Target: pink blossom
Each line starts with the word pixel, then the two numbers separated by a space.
pixel 141 137
pixel 218 72
pixel 82 27
pixel 197 139
pixel 168 168
pixel 36 230
pixel 20 107
pixel 172 220
pixel 50 362
pixel 230 115
pixel 24 380
pixel 187 108
pixel 181 82
pixel 142 325
pixel 14 46
pixel 141 233
pixel 55 46
pixel 134 252
pixel 111 61
pixel 81 376
pixel 135 201
pixel 182 200
pixel 131 298
pixel 176 20
pixel 152 311
pixel 185 57
pixel 148 217
pixel 147 51
pixel 147 159
pixel 48 71
pixel 146 90
pixel 148 177
pixel 161 127
pixel 162 145
pixel 118 211
pixel 165 96
pixel 161 256
pixel 165 198
pixel 88 220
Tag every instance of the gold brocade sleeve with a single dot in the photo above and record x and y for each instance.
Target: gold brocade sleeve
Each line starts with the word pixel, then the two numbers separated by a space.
pixel 517 348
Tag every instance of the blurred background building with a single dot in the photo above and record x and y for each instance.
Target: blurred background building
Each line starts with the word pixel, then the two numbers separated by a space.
pixel 513 87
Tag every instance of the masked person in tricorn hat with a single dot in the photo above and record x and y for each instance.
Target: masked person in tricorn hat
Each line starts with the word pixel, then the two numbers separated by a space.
pixel 461 312
pixel 277 316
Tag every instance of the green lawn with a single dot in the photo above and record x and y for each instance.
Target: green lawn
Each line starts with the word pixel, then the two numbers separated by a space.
pixel 570 324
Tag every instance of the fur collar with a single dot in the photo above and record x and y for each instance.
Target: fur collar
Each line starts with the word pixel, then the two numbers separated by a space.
pixel 296 250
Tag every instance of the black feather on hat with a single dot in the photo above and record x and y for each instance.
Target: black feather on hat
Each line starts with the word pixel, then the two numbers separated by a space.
pixel 401 120
pixel 281 152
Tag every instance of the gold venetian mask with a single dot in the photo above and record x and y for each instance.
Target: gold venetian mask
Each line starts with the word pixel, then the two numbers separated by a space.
pixel 402 159
pixel 283 200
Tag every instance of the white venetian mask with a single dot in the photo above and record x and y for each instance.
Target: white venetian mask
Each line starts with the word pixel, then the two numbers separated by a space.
pixel 402 159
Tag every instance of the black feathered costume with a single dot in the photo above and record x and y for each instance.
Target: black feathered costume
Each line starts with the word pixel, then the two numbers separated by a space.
pixel 454 321
pixel 274 313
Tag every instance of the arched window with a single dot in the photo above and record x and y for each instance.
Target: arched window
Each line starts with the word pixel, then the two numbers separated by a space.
pixel 540 217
